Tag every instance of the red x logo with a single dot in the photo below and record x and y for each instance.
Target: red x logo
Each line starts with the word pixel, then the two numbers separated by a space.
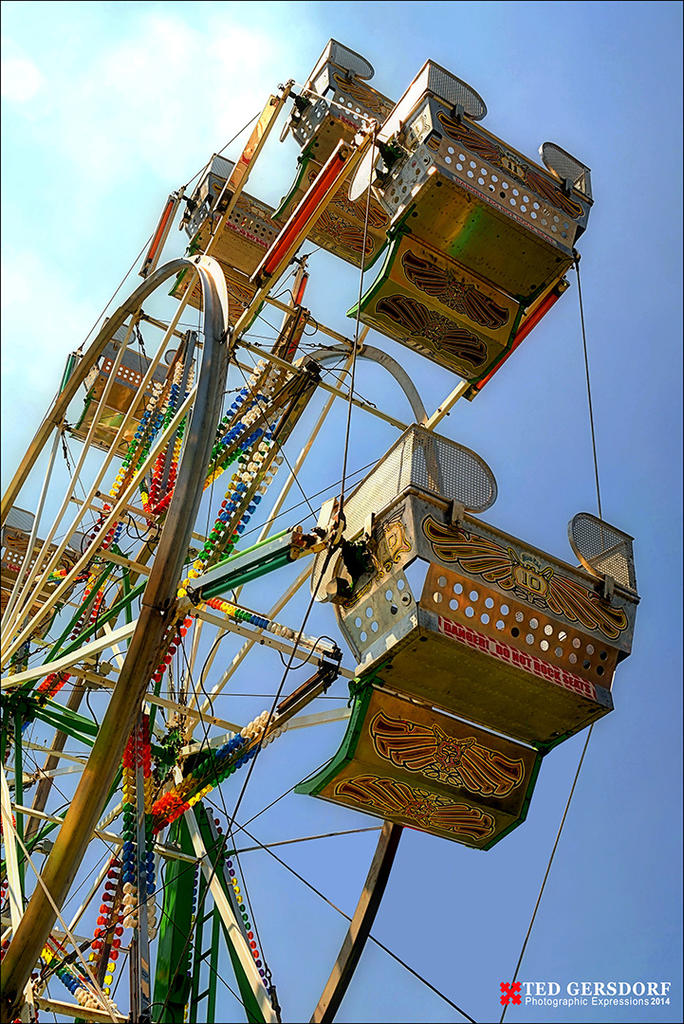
pixel 510 993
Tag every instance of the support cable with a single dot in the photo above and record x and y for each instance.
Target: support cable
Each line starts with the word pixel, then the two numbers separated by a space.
pixel 306 839
pixel 214 970
pixel 589 400
pixel 371 937
pixel 266 413
pixel 218 782
pixel 279 691
pixel 110 848
pixel 548 867
pixel 101 998
pixel 228 818
pixel 591 727
pixel 357 328
pixel 223 149
pixel 115 292
pixel 231 818
pixel 253 917
pixel 189 936
pixel 146 245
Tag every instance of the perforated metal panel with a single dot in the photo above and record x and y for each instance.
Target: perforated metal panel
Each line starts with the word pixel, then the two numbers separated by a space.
pixel 221 166
pixel 14 544
pixel 350 60
pixel 124 392
pixel 428 462
pixel 566 166
pixel 133 365
pixel 603 549
pixel 339 99
pixel 423 459
pixel 250 226
pixel 19 519
pixel 455 92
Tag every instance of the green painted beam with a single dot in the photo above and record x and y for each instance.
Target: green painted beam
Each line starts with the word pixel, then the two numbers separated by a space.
pixel 200 918
pixel 172 978
pixel 213 966
pixel 243 566
pixel 106 617
pixel 70 363
pixel 215 852
pixel 231 581
pixel 83 607
pixel 50 826
pixel 70 722
pixel 88 633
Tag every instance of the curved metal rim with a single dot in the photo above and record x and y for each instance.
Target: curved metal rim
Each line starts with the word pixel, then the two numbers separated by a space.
pixel 146 643
pixel 488 471
pixel 327 57
pixel 363 175
pixel 544 153
pixel 61 403
pixel 359 926
pixel 377 355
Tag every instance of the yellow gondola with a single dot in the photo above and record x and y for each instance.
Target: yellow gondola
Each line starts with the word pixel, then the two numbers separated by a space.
pixel 15 537
pixel 334 103
pixel 124 392
pixel 464 633
pixel 468 214
pixel 244 238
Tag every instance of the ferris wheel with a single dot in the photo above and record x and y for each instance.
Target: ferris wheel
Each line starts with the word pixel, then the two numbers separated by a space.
pixel 458 655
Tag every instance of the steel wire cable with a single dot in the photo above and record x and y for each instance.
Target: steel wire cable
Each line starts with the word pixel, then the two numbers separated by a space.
pixel 119 286
pixel 371 937
pixel 216 776
pixel 591 727
pixel 357 328
pixel 548 869
pixel 215 970
pixel 588 380
pixel 264 410
pixel 219 844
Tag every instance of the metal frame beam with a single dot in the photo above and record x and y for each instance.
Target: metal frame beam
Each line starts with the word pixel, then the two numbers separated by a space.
pixel 309 644
pixel 83 654
pixel 148 639
pixel 361 924
pixel 338 392
pixel 107 837
pixel 377 355
pixel 233 931
pixel 77 1012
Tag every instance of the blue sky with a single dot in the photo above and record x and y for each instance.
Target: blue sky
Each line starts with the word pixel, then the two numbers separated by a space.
pixel 106 107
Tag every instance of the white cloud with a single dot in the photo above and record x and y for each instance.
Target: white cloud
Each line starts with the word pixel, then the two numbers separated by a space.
pixel 116 121
pixel 42 320
pixel 164 89
pixel 20 77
